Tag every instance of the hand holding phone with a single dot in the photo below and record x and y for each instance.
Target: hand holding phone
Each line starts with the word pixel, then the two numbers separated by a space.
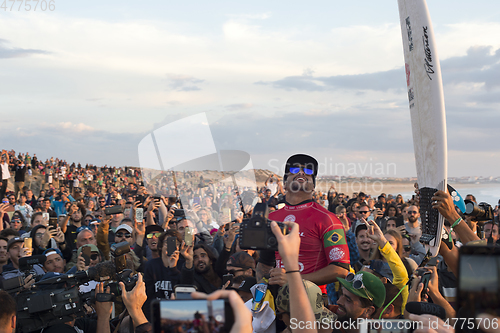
pixel 171 245
pixel 188 236
pixel 139 215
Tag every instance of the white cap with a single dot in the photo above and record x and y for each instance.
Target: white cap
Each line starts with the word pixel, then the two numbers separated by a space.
pixel 124 226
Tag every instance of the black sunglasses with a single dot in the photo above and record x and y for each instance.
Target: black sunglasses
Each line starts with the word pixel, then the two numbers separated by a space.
pixel 233 271
pixel 120 235
pixel 407 248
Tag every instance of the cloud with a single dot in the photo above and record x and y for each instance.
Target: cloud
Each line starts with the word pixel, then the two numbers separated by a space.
pixel 180 82
pixel 74 142
pixel 381 81
pixel 260 16
pixel 7 52
pixel 479 65
pixel 239 106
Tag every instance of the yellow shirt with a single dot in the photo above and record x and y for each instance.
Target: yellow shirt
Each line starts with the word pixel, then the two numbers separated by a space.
pixel 399 273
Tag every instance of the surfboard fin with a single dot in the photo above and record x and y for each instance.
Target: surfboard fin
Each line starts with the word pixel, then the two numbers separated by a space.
pixel 457 198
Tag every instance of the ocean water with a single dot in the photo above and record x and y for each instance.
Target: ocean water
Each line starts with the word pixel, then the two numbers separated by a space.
pixel 489 193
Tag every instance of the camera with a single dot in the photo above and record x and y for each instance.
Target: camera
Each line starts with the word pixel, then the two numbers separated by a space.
pixel 482 212
pixel 256 232
pixel 56 298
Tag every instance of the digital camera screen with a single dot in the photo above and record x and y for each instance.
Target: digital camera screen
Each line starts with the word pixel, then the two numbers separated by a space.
pixel 192 316
pixel 256 237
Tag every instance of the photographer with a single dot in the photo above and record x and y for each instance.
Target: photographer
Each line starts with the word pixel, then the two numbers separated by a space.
pixel 162 274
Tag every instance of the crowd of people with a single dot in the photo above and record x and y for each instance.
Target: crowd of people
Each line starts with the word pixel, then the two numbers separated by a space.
pixel 343 257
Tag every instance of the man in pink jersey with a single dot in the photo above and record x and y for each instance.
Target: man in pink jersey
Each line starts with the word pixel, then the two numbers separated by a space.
pixel 324 254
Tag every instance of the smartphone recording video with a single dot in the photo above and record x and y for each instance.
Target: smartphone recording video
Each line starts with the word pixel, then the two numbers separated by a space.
pixel 478 282
pixel 192 316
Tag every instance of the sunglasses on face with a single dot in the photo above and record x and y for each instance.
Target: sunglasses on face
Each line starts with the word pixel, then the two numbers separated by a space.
pixel 307 171
pixel 121 235
pixel 411 212
pixel 156 234
pixel 407 248
pixel 364 211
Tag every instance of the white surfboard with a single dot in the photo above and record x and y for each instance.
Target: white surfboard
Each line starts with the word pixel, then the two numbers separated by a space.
pixel 428 120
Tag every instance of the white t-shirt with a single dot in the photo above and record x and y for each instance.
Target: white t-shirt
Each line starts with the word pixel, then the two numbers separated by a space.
pixel 5 171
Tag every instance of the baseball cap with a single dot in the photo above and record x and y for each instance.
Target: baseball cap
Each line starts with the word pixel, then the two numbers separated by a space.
pixel 359 227
pixel 371 287
pixel 13 241
pixel 124 227
pixel 153 228
pixel 301 159
pixel 51 251
pixel 241 260
pixel 315 297
pixel 83 227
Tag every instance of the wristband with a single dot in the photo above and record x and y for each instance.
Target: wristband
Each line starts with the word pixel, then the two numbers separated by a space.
pixel 295 271
pixel 453 226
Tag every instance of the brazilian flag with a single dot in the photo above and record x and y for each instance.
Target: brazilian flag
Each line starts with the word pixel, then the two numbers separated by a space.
pixel 334 237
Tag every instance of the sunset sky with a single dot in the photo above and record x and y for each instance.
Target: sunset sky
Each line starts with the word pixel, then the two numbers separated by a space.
pixel 89 80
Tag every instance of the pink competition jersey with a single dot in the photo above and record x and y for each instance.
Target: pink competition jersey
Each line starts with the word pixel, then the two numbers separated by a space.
pixel 322 237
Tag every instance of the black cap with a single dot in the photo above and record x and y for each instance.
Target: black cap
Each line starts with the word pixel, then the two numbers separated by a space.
pixel 154 227
pixel 13 241
pixel 304 160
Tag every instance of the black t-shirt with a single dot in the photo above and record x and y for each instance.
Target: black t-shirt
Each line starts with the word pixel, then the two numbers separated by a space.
pixel 70 236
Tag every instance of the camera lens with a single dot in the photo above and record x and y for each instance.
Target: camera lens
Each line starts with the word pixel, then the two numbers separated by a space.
pixel 272 241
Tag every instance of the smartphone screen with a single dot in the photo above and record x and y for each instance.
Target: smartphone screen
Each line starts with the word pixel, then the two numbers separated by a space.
pixel 479 282
pixel 192 316
pixel 188 236
pixel 46 217
pixel 139 215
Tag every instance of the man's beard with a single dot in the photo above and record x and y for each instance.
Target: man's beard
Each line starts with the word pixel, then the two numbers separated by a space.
pixel 412 219
pixel 203 271
pixel 301 187
pixel 344 317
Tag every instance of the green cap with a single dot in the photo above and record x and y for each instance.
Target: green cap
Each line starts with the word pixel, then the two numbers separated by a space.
pixel 373 287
